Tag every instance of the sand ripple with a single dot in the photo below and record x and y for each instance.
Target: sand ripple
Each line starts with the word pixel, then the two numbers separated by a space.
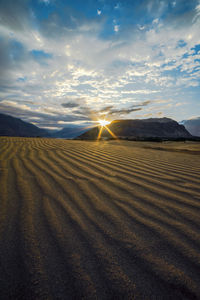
pixel 98 220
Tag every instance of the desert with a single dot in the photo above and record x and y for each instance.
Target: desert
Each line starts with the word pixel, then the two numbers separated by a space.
pixel 99 150
pixel 99 219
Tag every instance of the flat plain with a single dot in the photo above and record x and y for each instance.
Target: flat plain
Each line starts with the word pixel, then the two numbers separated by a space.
pixel 99 220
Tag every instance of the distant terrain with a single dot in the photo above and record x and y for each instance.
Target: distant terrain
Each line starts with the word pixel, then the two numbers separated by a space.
pixel 99 220
pixel 145 129
pixel 193 126
pixel 69 132
pixel 140 129
pixel 10 126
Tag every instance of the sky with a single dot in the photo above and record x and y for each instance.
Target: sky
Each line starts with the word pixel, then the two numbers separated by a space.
pixel 65 62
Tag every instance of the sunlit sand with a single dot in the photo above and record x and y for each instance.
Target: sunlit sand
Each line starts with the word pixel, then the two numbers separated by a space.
pixel 99 220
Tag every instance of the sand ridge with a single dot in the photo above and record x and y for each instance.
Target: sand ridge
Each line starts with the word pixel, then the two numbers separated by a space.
pixel 99 220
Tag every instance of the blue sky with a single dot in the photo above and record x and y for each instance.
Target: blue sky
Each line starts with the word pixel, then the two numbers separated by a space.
pixel 73 62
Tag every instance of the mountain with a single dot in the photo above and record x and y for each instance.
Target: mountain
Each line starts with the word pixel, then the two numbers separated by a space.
pixel 127 129
pixel 140 129
pixel 69 132
pixel 193 126
pixel 10 126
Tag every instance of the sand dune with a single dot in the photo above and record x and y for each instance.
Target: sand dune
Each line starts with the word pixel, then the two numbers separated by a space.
pixel 99 220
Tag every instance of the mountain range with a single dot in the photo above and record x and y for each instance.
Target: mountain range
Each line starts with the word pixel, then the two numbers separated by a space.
pixel 10 126
pixel 125 129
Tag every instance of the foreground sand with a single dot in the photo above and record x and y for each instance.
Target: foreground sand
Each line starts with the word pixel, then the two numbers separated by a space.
pixel 99 220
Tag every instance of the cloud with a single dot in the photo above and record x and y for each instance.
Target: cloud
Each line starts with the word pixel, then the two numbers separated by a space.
pixel 106 109
pixel 112 111
pixel 173 3
pixel 116 28
pixel 13 104
pixel 155 21
pixel 45 1
pixel 70 104
pixel 14 14
pixel 145 92
pixel 42 116
pixel 78 62
pixel 123 111
pixel 117 6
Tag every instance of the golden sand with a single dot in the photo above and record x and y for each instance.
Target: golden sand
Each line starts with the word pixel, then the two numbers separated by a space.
pixel 99 220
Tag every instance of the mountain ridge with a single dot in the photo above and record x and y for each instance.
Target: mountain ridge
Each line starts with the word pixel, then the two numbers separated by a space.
pixel 140 129
pixel 132 129
pixel 11 126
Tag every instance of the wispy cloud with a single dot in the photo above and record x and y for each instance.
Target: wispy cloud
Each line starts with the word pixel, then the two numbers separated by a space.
pixel 111 110
pixel 69 104
pixel 116 28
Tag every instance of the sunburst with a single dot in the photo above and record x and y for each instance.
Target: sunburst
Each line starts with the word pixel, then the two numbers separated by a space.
pixel 104 124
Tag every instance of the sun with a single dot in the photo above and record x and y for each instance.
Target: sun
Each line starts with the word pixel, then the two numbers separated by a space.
pixel 103 122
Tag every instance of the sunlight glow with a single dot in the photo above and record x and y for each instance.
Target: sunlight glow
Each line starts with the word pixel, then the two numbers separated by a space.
pixel 103 122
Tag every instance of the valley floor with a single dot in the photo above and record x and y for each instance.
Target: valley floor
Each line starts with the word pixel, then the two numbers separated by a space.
pixel 99 220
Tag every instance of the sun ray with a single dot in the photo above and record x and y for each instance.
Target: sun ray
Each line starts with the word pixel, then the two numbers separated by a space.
pixel 100 131
pixel 113 135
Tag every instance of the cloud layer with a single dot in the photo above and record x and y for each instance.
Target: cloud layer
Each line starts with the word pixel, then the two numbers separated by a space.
pixel 77 63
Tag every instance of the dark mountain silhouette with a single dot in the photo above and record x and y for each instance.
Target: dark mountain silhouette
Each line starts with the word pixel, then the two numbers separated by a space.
pixel 193 126
pixel 163 128
pixel 10 126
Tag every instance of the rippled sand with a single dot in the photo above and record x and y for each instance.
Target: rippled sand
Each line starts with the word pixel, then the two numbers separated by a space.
pixel 99 220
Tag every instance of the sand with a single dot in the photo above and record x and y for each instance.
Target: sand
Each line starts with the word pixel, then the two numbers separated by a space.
pixel 99 220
